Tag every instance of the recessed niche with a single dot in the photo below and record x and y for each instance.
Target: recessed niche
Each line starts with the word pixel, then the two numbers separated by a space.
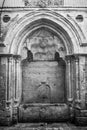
pixel 6 18
pixel 79 18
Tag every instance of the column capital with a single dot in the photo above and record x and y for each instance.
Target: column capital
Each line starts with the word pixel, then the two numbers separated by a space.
pixel 6 55
pixel 76 57
pixel 78 103
pixel 9 59
pixel 69 58
pixel 17 58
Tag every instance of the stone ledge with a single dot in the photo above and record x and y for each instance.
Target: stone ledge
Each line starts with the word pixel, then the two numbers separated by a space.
pixel 80 113
pixel 43 126
pixel 81 121
pixel 43 113
pixel 10 55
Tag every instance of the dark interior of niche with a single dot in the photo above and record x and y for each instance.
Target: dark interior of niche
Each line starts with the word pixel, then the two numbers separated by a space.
pixel 79 18
pixel 6 18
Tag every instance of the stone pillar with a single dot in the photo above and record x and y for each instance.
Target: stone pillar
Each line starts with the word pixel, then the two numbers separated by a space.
pixel 17 87
pixel 69 84
pixel 9 100
pixel 5 89
pixel 80 107
pixel 68 76
pixel 9 79
pixel 86 81
pixel 77 100
pixel 9 88
pixel 17 77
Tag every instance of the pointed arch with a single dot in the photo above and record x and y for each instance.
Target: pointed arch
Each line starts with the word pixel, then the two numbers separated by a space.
pixel 43 18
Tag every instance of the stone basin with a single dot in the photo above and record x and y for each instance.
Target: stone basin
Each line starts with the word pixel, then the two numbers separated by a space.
pixel 43 112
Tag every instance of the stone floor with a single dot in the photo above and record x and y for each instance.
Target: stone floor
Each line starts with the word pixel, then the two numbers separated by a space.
pixel 43 126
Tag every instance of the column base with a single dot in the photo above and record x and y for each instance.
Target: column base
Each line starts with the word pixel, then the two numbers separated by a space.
pixel 81 121
pixel 5 118
pixel 81 117
pixel 15 115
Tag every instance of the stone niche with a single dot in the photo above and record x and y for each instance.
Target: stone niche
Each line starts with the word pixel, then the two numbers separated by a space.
pixel 43 82
pixel 43 72
pixel 43 44
pixel 43 78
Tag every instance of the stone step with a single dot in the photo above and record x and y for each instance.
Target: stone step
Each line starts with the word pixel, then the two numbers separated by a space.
pixel 44 126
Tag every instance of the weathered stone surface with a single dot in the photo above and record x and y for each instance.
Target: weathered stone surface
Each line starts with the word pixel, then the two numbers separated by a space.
pixel 66 3
pixel 44 126
pixel 48 33
pixel 81 121
pixel 43 112
pixel 43 44
pixel 43 82
pixel 43 3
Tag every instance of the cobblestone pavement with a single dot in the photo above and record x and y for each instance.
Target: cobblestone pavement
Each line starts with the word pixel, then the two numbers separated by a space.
pixel 43 126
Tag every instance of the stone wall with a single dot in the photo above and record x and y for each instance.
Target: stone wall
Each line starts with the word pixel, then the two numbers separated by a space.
pixel 43 82
pixel 70 24
pixel 5 110
pixel 43 113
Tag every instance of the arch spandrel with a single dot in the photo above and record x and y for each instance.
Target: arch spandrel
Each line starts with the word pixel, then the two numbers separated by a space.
pixel 61 26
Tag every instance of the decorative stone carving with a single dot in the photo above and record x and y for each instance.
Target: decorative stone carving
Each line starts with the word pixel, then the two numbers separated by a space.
pixel 44 44
pixel 44 92
pixel 43 3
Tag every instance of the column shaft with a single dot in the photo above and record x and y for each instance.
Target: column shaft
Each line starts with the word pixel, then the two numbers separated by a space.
pixel 77 80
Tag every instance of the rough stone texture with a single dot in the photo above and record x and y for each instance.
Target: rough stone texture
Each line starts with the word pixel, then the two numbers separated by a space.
pixel 43 82
pixel 20 3
pixel 8 113
pixel 43 113
pixel 43 45
pixel 3 113
pixel 44 126
pixel 19 28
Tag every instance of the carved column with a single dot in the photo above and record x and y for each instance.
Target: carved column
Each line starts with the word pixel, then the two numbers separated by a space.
pixel 9 81
pixel 86 81
pixel 9 87
pixel 17 76
pixel 14 78
pixel 69 85
pixel 16 87
pixel 77 100
pixel 80 109
pixel 20 80
pixel 68 75
pixel 6 89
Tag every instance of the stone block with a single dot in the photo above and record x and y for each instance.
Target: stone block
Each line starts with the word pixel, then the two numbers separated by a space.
pixel 43 82
pixel 81 121
pixel 43 113
pixel 5 118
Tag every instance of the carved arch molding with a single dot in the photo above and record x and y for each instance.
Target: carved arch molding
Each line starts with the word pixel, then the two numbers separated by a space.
pixel 44 46
pixel 43 76
pixel 54 22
